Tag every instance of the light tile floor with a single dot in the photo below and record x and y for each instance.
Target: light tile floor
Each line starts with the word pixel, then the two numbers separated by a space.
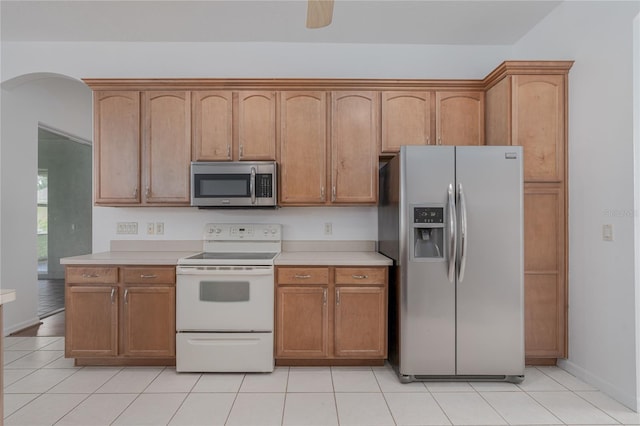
pixel 44 388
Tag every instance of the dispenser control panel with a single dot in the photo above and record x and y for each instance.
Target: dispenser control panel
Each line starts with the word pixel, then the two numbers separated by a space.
pixel 428 215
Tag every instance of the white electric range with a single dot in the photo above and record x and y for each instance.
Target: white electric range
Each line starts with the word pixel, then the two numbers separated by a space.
pixel 225 300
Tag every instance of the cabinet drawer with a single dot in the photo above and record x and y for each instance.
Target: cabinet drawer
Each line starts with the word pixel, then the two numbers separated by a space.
pixel 91 274
pixel 361 276
pixel 304 275
pixel 149 275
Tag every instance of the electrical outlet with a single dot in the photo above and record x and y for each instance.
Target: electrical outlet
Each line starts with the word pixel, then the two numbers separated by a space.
pixel 159 228
pixel 127 228
pixel 151 228
pixel 328 228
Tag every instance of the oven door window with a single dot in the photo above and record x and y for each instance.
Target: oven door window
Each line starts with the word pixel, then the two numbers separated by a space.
pixel 222 185
pixel 224 291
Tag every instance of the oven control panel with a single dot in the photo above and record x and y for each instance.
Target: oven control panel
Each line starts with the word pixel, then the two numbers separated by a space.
pixel 243 231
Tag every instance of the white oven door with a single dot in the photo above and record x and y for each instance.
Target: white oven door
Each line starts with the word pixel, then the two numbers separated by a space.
pixel 224 298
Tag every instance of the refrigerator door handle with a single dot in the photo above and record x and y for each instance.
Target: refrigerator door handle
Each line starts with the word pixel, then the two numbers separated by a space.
pixel 463 233
pixel 452 235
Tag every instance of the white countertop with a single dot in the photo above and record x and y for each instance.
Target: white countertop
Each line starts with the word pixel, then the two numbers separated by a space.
pixel 128 258
pixel 7 295
pixel 363 258
pixel 339 258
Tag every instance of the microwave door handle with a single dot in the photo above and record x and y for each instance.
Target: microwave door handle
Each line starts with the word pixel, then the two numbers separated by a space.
pixel 252 185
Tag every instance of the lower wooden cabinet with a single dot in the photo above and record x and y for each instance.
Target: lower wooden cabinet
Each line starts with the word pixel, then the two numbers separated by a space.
pixel 331 315
pixel 120 315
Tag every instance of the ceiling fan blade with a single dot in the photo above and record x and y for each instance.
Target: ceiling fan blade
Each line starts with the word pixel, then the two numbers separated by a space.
pixel 319 13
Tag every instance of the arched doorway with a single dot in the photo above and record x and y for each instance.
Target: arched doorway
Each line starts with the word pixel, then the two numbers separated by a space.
pixel 30 102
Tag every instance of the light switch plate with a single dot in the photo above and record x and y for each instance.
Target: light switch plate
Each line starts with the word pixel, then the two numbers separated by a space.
pixel 607 232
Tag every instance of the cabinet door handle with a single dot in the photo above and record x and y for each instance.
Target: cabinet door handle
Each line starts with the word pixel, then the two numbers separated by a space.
pixel 333 193
pixel 113 293
pixel 135 193
pixel 302 277
pixel 148 276
pixel 428 140
pixel 337 296
pixel 322 193
pixel 90 275
pixel 228 151
pixel 241 151
pixel 147 192
pixel 360 277
pixel 324 297
pixel 439 141
pixel 126 296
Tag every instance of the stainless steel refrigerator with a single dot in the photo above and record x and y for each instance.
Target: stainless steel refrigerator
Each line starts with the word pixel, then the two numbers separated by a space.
pixel 451 218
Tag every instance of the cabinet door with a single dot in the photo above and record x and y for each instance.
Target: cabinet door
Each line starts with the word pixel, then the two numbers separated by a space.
pixel 257 126
pixel 302 322
pixel 406 120
pixel 544 280
pixel 460 118
pixel 117 147
pixel 167 147
pixel 539 125
pixel 91 328
pixel 360 322
pixel 149 321
pixel 354 147
pixel 212 125
pixel 303 148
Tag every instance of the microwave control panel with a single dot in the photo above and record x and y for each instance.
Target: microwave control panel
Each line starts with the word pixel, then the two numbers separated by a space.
pixel 264 186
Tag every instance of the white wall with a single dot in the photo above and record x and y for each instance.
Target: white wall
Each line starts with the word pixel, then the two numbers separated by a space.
pixel 60 103
pixel 602 332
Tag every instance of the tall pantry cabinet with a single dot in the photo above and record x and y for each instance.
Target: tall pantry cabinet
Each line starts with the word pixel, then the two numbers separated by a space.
pixel 526 105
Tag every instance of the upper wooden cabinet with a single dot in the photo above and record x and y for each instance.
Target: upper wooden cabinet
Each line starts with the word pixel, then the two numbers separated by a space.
pixel 212 113
pixel 529 109
pixel 116 128
pixel 167 147
pixel 406 119
pixel 303 147
pixel 459 118
pixel 304 158
pixel 354 147
pixel 234 125
pixel 539 124
pixel 143 147
pixel 257 126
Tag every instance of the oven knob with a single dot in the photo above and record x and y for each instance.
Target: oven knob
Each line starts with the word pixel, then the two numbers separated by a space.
pixel 218 230
pixel 273 231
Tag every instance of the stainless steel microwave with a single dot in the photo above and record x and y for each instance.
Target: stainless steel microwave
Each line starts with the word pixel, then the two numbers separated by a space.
pixel 240 184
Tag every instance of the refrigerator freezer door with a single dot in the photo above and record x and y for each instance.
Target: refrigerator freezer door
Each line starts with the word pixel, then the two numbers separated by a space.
pixel 489 317
pixel 427 298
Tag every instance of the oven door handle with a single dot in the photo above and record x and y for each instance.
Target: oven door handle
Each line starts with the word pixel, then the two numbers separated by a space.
pixel 217 271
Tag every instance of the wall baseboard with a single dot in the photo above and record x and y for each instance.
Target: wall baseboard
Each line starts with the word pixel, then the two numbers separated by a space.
pixel 21 326
pixel 606 387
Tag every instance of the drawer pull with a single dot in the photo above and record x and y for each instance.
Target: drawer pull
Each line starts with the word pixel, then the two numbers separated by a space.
pixel 148 276
pixel 360 277
pixel 302 277
pixel 90 275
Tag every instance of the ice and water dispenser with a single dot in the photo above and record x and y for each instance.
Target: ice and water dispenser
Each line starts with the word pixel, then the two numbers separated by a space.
pixel 428 232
